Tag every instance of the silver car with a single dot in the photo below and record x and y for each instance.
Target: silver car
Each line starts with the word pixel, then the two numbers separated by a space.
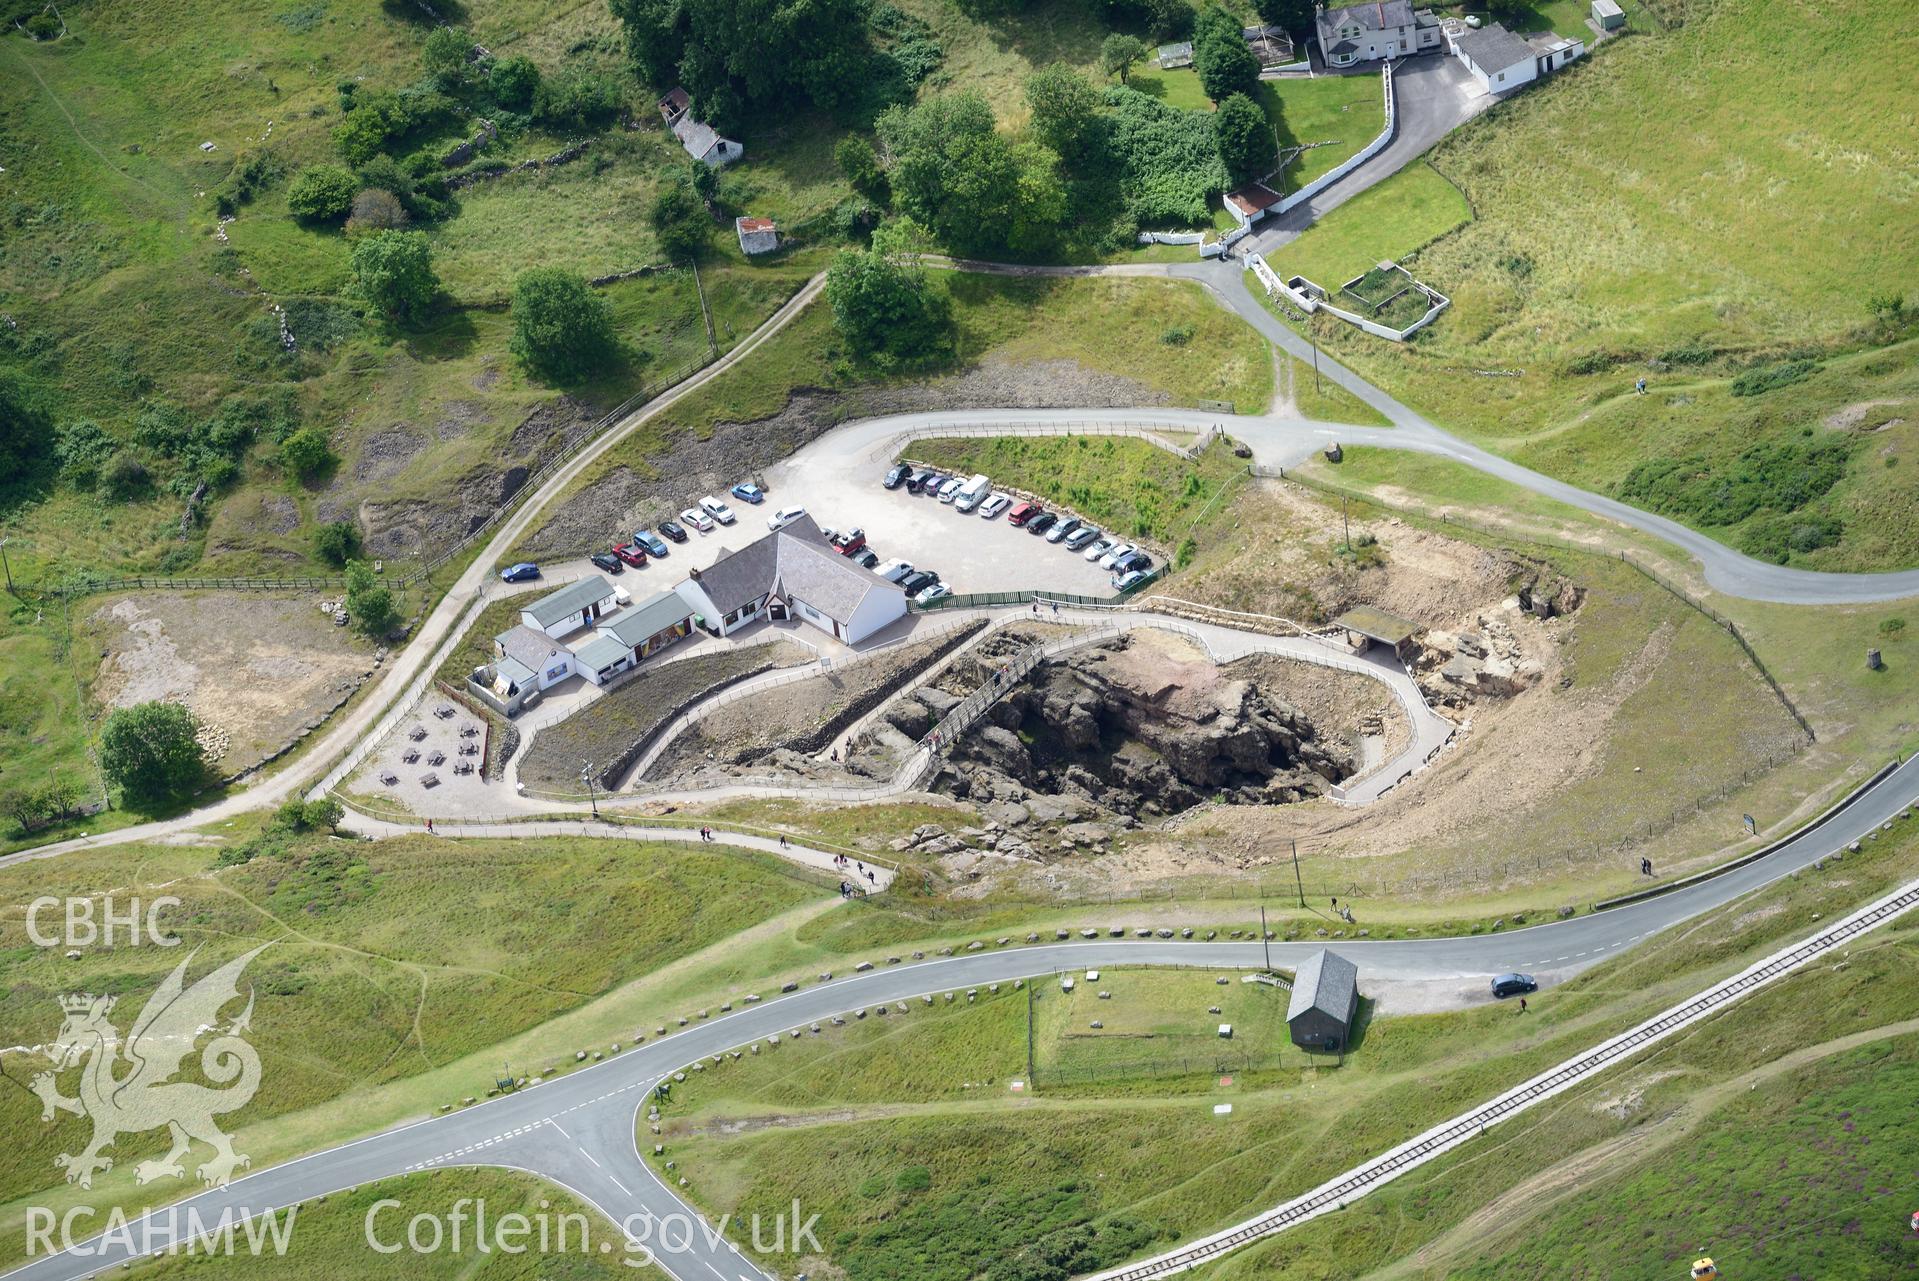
pixel 950 490
pixel 1077 540
pixel 1116 554
pixel 1099 548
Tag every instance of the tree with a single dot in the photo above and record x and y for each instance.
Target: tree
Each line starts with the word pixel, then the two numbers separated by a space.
pixel 26 432
pixel 955 173
pixel 681 222
pixel 1288 15
pixel 562 330
pixel 336 542
pixel 515 81
pixel 306 453
pixel 445 57
pixel 1224 61
pixel 321 193
pixel 1245 142
pixel 369 603
pixel 393 271
pixel 1067 112
pixel 374 120
pixel 325 812
pixel 886 308
pixel 376 210
pixel 1118 52
pixel 152 750
pixel 82 449
pixel 861 165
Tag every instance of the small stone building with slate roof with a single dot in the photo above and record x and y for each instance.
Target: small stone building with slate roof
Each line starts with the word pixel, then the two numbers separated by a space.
pixel 699 139
pixel 1366 32
pixel 757 235
pixel 793 573
pixel 576 605
pixel 1324 1003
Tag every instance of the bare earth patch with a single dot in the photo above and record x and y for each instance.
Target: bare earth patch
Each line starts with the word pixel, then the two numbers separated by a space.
pixel 259 670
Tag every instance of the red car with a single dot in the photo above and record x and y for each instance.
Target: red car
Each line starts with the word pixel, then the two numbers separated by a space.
pixel 1022 513
pixel 850 542
pixel 632 553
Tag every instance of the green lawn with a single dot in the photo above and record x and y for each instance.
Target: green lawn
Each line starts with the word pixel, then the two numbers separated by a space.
pixel 1390 221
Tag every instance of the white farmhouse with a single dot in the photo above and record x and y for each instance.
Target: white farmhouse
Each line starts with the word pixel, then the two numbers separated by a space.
pixel 1367 32
pixel 793 573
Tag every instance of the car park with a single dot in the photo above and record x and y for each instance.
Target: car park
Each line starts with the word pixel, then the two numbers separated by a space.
pixel 1023 513
pixel 632 553
pixel 1113 557
pixel 1128 581
pixel 896 475
pixel 1041 523
pixel 1099 548
pixel 654 544
pixel 937 591
pixel 606 561
pixel 698 519
pixel 520 573
pixel 784 516
pixel 671 528
pixel 1059 532
pixel 747 492
pixel 717 510
pixel 950 488
pixel 918 581
pixel 1079 538
pixel 849 542
pixel 1514 985
pixel 994 506
pixel 894 570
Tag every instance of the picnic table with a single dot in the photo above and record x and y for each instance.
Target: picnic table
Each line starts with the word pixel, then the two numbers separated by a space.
pixel 429 779
pixel 389 778
pixel 464 767
pixel 437 758
pixel 417 733
pixel 409 756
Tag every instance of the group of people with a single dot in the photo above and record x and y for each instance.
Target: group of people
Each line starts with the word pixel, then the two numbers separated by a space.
pixel 1645 867
pixel 862 870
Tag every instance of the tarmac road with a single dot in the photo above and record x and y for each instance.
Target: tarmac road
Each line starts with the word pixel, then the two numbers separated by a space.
pixel 579 1130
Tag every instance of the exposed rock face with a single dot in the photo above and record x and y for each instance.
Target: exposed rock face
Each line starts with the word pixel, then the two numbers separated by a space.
pixel 1098 735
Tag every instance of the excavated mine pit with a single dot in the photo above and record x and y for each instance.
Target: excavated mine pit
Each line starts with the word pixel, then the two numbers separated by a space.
pixel 1140 727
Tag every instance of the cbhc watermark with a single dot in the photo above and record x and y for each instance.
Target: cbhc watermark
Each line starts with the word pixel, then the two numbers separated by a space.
pixel 83 923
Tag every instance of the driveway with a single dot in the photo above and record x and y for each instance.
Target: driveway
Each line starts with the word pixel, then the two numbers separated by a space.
pixel 1433 95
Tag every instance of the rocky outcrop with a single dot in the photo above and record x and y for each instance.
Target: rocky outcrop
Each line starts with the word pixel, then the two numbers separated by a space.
pixel 1095 736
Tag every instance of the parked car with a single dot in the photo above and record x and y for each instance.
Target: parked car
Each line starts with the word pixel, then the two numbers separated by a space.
pixel 747 492
pixel 994 506
pixel 671 528
pixel 1041 523
pixel 1112 557
pixel 1023 513
pixel 1129 580
pixel 717 510
pixel 849 542
pixel 654 544
pixel 930 483
pixel 1132 561
pixel 933 593
pixel 632 553
pixel 1077 540
pixel 894 570
pixel 918 581
pixel 866 558
pixel 1099 548
pixel 1058 533
pixel 606 561
pixel 1514 985
pixel 896 475
pixel 521 572
pixel 950 487
pixel 698 519
pixel 918 480
pixel 784 516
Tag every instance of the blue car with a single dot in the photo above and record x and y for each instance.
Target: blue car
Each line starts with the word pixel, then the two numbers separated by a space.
pixel 654 544
pixel 520 573
pixel 747 492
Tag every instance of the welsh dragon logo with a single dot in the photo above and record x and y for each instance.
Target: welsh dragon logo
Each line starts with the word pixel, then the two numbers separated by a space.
pixel 127 1087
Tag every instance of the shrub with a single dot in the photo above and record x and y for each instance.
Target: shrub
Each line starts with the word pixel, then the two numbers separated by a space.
pixel 1782 476
pixel 1168 159
pixel 43 26
pixel 681 222
pixel 1893 628
pixel 1176 335
pixel 125 476
pixel 576 99
pixel 861 165
pixel 82 450
pixel 368 601
pixel 337 542
pixel 152 751
pixel 376 210
pixel 321 193
pixel 515 81
pixel 1757 382
pixel 306 453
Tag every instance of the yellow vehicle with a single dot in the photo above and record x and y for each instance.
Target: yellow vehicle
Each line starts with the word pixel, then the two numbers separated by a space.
pixel 1704 1270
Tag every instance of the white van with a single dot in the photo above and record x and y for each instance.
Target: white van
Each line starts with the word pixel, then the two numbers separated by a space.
pixel 972 494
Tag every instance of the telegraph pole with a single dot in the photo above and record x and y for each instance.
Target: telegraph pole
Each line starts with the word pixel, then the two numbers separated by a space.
pixel 586 776
pixel 8 565
pixel 1265 938
pixel 1297 883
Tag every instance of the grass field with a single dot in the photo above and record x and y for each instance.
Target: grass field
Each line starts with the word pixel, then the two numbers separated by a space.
pixel 1127 487
pixel 1410 209
pixel 906 1134
pixel 1333 116
pixel 1687 283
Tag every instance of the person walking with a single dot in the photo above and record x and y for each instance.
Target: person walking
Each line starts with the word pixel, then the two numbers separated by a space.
pixel 429 825
pixel 1522 1005
pixel 782 840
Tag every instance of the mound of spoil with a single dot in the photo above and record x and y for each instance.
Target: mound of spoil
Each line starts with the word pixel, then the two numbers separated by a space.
pixel 1141 726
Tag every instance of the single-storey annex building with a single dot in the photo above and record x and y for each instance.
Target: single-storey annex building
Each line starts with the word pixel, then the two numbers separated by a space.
pixel 578 604
pixel 1324 1002
pixel 652 625
pixel 793 573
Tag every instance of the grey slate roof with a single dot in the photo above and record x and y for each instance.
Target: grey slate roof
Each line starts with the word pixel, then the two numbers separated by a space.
pixel 639 623
pixel 571 599
pixel 527 647
pixel 798 563
pixel 1492 48
pixel 1381 15
pixel 1327 982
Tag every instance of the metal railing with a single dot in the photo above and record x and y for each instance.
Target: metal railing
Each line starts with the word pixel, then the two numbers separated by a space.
pixel 1449 1134
pixel 1040 595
